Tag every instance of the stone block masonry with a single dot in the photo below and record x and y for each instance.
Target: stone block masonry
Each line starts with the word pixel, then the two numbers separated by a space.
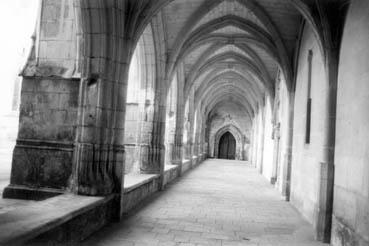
pixel 43 154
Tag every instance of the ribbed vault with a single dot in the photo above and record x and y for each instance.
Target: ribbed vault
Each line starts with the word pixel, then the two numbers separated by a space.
pixel 221 51
pixel 231 53
pixel 231 50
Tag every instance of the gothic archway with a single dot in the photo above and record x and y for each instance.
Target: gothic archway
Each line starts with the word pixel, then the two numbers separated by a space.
pixel 236 133
pixel 227 147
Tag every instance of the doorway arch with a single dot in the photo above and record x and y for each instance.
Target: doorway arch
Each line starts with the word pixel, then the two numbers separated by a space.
pixel 227 146
pixel 240 137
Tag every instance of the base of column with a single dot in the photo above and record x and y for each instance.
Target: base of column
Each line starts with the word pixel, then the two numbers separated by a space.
pixel 27 193
pixel 325 209
pixel 342 234
pixel 41 165
pixel 152 158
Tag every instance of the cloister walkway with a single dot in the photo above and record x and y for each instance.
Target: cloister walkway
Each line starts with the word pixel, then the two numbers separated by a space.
pixel 220 202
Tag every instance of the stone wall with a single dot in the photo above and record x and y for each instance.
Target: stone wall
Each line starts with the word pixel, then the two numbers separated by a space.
pixel 307 157
pixel 44 150
pixel 351 189
pixel 57 42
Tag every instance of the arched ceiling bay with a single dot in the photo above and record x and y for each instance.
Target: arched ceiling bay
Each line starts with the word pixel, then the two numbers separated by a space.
pixel 232 49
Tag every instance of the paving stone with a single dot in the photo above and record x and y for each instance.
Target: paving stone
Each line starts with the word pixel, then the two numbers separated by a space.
pixel 223 203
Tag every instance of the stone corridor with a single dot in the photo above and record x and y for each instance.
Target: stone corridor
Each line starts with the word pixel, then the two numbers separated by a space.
pixel 122 101
pixel 220 202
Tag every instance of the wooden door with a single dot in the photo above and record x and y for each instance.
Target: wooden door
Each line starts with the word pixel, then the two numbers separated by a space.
pixel 227 147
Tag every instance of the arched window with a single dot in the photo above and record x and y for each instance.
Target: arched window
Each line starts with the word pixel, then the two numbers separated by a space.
pixel 134 78
pixel 140 99
pixel 170 122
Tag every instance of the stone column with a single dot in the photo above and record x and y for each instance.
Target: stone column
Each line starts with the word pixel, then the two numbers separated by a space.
pixel 201 140
pixel 261 130
pixel 43 154
pixel 326 192
pixel 253 157
pixel 257 139
pixel 277 137
pixel 169 136
pixel 196 151
pixel 99 153
pixel 196 140
pixel 65 136
pixel 288 152
pixel 147 152
pixel 153 156
pixel 204 149
pixel 177 155
pixel 191 116
pixel 99 149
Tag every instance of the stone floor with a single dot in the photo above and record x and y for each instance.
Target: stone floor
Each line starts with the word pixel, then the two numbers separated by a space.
pixel 218 203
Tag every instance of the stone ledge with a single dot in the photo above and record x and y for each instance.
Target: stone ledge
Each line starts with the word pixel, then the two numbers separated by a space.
pixel 169 167
pixel 134 181
pixel 72 218
pixel 137 188
pixel 26 193
pixel 171 172
pixel 186 165
pixel 31 221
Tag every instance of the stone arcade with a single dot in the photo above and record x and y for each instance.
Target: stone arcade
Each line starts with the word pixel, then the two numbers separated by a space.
pixel 121 97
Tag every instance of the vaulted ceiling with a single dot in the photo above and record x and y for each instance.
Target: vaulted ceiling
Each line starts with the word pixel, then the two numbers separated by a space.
pixel 231 49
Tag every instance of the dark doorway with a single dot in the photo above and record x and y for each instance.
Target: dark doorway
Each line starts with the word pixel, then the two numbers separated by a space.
pixel 227 147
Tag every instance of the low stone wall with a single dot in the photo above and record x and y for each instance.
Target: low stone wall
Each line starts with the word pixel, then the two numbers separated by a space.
pixel 138 192
pixel 81 226
pixel 134 195
pixel 70 219
pixel 170 174
pixel 186 165
pixel 65 218
pixel 195 161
